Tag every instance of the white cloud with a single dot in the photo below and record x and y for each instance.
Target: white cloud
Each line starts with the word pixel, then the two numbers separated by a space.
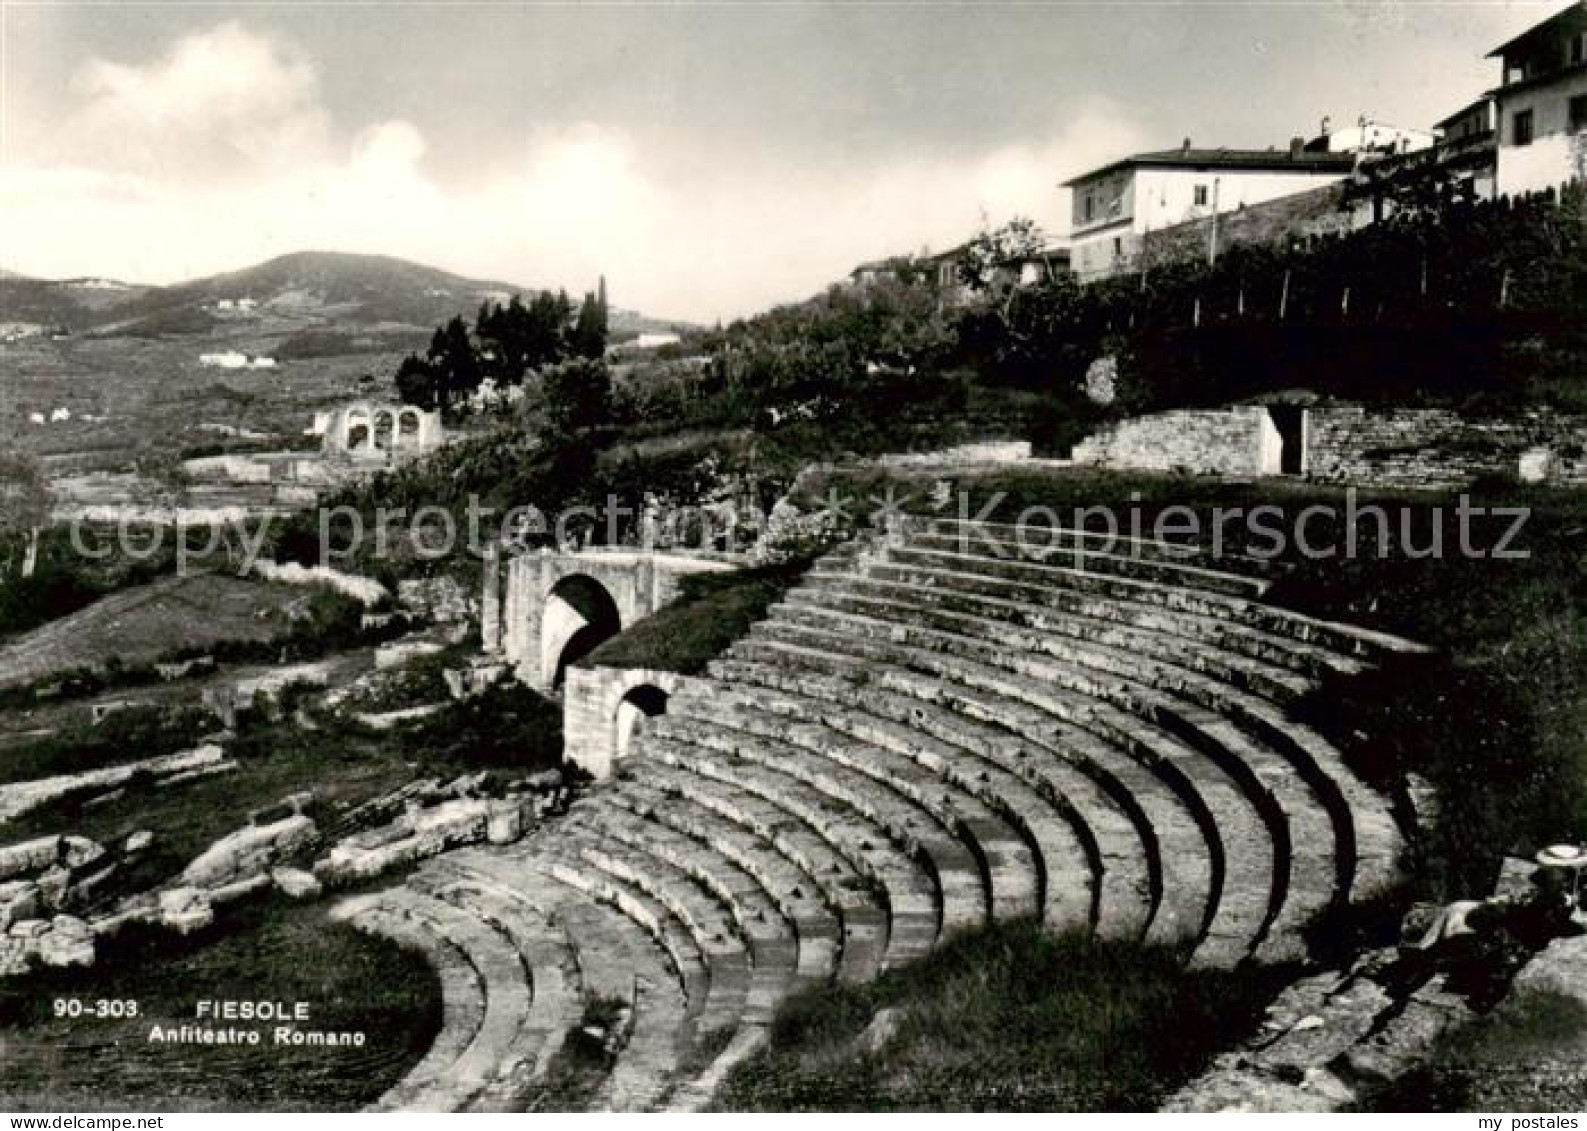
pixel 219 154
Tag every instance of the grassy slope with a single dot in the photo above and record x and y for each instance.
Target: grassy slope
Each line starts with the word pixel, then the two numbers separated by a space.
pixel 1007 1018
pixel 273 951
pixel 713 610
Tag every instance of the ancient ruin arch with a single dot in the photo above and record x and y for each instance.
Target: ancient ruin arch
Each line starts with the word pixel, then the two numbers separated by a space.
pixel 385 430
pixel 357 433
pixel 579 614
pixel 410 427
pixel 641 704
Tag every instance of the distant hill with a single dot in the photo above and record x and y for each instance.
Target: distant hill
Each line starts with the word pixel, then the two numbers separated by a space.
pixel 309 290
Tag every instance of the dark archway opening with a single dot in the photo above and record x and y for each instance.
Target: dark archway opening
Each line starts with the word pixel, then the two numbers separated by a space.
pixel 579 616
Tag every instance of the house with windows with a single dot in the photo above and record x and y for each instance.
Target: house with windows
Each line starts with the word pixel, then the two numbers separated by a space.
pixel 1115 207
pixel 1542 104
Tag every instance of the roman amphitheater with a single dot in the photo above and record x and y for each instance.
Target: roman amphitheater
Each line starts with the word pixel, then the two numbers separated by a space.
pixel 931 731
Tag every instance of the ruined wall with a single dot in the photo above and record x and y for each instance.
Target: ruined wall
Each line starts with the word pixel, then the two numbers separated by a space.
pixel 1232 441
pixel 592 724
pixel 1437 448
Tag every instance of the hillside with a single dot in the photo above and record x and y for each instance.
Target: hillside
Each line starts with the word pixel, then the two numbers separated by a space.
pixel 300 291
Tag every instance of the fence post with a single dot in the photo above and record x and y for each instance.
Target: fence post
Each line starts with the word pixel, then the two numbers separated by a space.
pixel 1283 297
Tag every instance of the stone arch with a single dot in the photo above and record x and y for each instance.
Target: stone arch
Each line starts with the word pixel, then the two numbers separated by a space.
pixel 638 705
pixel 384 434
pixel 356 428
pixel 579 614
pixel 410 427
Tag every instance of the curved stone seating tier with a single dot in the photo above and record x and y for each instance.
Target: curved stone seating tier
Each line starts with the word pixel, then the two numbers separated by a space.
pixel 1063 856
pixel 675 902
pixel 545 952
pixel 795 894
pixel 1345 638
pixel 1033 535
pixel 914 917
pixel 1245 724
pixel 723 814
pixel 1095 556
pixel 1304 878
pixel 483 1005
pixel 898 796
pixel 1252 883
pixel 1034 629
pixel 1091 848
pixel 754 915
pixel 617 963
pixel 1030 604
pixel 569 869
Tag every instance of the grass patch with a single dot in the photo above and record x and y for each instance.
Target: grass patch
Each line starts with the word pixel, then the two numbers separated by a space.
pixel 712 611
pixel 272 950
pixel 1524 1056
pixel 577 1070
pixel 135 732
pixel 1006 1018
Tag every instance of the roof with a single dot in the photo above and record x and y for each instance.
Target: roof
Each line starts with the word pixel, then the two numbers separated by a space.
pixel 1564 17
pixel 1272 160
pixel 1479 101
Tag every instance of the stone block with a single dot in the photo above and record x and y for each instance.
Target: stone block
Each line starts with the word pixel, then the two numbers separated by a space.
pixel 247 851
pixel 138 841
pixel 19 899
pixel 295 883
pixel 68 942
pixel 185 909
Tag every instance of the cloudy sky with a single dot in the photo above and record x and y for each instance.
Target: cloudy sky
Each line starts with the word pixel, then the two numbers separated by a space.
pixel 709 158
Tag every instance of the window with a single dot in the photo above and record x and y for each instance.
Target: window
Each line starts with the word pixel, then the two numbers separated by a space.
pixel 1521 128
pixel 1091 207
pixel 1118 248
pixel 1201 196
pixel 1578 50
pixel 1578 113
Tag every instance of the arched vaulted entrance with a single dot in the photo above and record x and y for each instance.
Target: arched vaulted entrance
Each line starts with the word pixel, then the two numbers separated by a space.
pixel 580 614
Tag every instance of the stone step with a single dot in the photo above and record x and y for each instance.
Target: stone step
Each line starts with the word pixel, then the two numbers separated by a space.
pixel 900 880
pixel 544 950
pixel 506 1002
pixel 795 894
pixel 617 958
pixel 462 993
pixel 1094 556
pixel 724 814
pixel 1099 862
pixel 1063 537
pixel 1029 604
pixel 1062 863
pixel 724 953
pixel 1252 872
pixel 612 954
pixel 1304 876
pixel 1035 629
pixel 1001 852
pixel 1349 639
pixel 1369 842
pixel 563 865
pixel 755 916
pixel 897 796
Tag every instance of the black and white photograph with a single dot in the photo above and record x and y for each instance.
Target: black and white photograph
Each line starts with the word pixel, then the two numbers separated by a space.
pixel 784 556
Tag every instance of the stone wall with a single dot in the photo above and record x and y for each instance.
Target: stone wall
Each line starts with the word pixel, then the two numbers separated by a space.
pixel 1413 449
pixel 1234 441
pixel 1437 448
pixel 593 726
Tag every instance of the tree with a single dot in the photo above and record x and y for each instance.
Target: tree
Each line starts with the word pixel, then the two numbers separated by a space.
pixel 25 501
pixel 589 333
pixel 577 396
pixel 983 267
pixel 416 384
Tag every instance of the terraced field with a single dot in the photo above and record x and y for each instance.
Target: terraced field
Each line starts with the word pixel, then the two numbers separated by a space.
pixel 148 621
